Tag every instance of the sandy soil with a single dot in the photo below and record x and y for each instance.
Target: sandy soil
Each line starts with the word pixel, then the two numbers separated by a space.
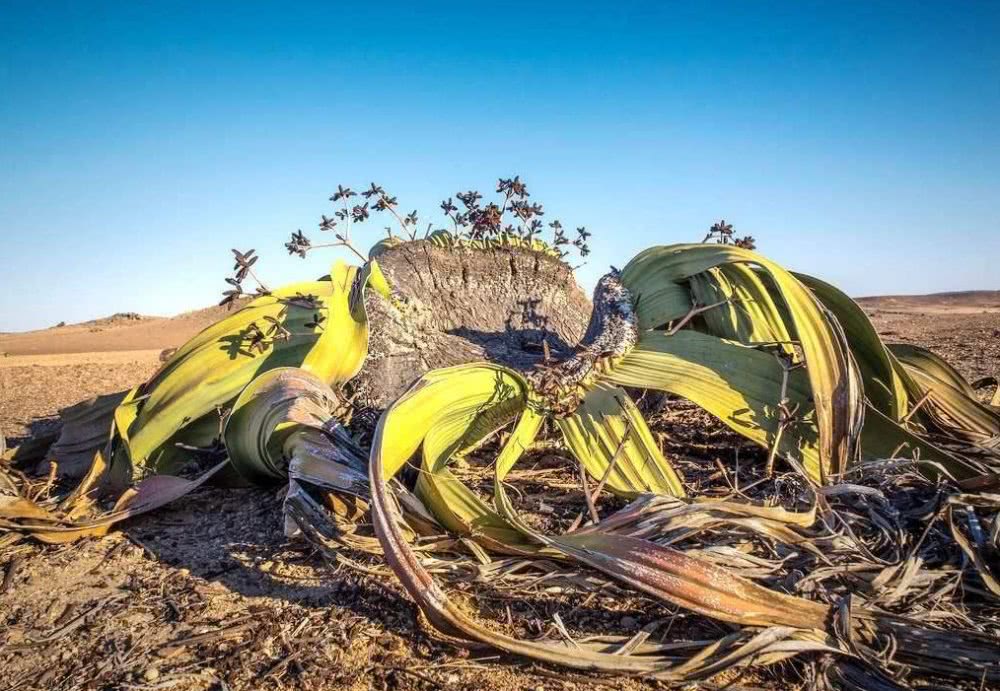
pixel 34 387
pixel 964 302
pixel 209 594
pixel 968 340
pixel 116 333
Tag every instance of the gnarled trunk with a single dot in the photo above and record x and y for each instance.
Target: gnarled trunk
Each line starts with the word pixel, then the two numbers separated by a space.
pixel 462 305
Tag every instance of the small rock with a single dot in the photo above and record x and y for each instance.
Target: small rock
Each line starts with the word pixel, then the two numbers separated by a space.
pixel 15 636
pixel 630 623
pixel 151 674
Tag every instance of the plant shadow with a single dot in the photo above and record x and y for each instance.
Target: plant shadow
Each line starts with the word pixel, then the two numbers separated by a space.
pixel 234 538
pixel 519 348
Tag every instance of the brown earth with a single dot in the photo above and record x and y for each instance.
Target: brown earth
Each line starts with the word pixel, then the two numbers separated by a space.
pixel 209 594
pixel 965 334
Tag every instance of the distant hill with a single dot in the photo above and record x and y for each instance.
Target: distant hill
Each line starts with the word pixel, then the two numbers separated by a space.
pixel 959 302
pixel 121 331
pixel 114 320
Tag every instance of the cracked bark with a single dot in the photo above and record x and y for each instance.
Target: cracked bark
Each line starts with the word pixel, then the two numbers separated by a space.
pixel 465 305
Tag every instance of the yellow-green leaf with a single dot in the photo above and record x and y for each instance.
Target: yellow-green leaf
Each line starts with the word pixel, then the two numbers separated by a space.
pixel 608 434
pixel 834 382
pixel 739 385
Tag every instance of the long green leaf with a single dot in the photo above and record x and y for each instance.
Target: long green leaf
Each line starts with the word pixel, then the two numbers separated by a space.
pixel 610 437
pixel 833 379
pixel 213 367
pixel 884 388
pixel 749 315
pixel 446 412
pixel 739 385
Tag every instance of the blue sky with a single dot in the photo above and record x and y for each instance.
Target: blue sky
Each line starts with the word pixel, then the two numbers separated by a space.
pixel 140 141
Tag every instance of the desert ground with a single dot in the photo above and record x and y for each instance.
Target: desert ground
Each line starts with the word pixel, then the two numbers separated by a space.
pixel 209 594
